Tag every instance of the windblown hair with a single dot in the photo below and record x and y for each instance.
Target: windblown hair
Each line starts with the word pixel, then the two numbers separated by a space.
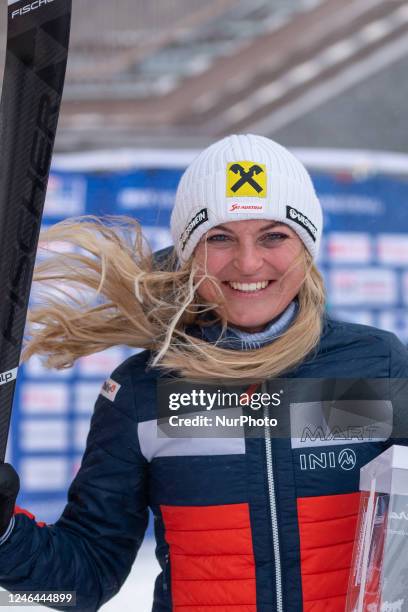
pixel 105 288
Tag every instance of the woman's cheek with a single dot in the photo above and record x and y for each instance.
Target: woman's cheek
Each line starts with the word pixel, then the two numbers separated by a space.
pixel 207 291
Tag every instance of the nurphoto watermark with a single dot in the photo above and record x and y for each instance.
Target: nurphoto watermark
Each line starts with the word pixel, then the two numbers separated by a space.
pixel 310 412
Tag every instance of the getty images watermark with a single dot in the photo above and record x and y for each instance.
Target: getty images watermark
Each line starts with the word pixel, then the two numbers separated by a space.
pixel 186 409
pixel 310 412
pixel 205 400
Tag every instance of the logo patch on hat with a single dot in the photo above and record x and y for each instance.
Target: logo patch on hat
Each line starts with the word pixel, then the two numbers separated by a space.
pixel 109 389
pixel 302 220
pixel 246 208
pixel 198 219
pixel 246 179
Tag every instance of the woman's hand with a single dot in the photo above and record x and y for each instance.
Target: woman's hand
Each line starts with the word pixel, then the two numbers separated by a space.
pixel 9 488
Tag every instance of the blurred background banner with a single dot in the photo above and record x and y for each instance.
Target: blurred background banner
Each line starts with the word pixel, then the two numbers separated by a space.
pixel 150 83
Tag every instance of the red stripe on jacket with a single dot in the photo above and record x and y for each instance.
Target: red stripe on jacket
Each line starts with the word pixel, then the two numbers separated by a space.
pixel 211 558
pixel 18 510
pixel 327 527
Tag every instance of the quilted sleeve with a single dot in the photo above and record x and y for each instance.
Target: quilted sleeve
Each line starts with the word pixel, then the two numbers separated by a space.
pixel 399 390
pixel 91 548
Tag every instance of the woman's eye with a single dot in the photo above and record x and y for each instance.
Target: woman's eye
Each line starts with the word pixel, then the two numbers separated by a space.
pixel 274 237
pixel 218 238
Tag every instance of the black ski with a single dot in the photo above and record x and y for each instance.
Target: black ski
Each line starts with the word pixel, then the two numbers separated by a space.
pixel 36 57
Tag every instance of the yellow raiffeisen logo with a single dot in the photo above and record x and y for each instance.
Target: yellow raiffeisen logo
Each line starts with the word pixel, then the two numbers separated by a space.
pixel 246 179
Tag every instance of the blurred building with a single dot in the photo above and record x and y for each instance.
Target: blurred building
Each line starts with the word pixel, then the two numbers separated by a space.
pixel 181 73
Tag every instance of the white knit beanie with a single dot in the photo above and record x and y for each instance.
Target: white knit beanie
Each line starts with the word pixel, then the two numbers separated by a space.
pixel 244 177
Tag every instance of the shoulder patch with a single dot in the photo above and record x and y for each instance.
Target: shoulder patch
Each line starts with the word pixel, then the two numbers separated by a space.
pixel 109 389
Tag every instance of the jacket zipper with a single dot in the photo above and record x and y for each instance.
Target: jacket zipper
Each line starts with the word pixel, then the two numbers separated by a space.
pixel 274 516
pixel 165 571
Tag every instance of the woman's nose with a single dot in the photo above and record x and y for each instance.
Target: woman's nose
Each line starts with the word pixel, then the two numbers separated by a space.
pixel 248 259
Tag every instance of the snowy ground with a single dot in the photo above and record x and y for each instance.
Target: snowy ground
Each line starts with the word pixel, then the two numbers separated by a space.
pixel 136 594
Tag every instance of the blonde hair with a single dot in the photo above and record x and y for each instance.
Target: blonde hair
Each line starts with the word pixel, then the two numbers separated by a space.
pixel 108 289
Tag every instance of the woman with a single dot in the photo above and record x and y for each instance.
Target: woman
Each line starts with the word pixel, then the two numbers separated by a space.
pixel 242 523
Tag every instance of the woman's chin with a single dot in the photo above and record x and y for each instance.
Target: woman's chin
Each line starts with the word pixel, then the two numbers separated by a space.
pixel 251 330
pixel 251 325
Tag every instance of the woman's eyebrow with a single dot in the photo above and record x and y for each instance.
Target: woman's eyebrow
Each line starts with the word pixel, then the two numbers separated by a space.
pixel 270 226
pixel 221 227
pixel 261 229
pixel 265 228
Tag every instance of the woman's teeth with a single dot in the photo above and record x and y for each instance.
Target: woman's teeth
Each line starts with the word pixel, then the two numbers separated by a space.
pixel 249 286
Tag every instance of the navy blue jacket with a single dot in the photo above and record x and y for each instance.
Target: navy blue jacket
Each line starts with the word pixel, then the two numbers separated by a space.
pixel 254 526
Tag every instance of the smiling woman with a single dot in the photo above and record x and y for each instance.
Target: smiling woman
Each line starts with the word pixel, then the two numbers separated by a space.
pixel 259 268
pixel 247 523
pixel 236 225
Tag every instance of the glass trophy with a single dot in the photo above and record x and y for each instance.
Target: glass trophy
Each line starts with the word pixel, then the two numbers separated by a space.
pixel 379 572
